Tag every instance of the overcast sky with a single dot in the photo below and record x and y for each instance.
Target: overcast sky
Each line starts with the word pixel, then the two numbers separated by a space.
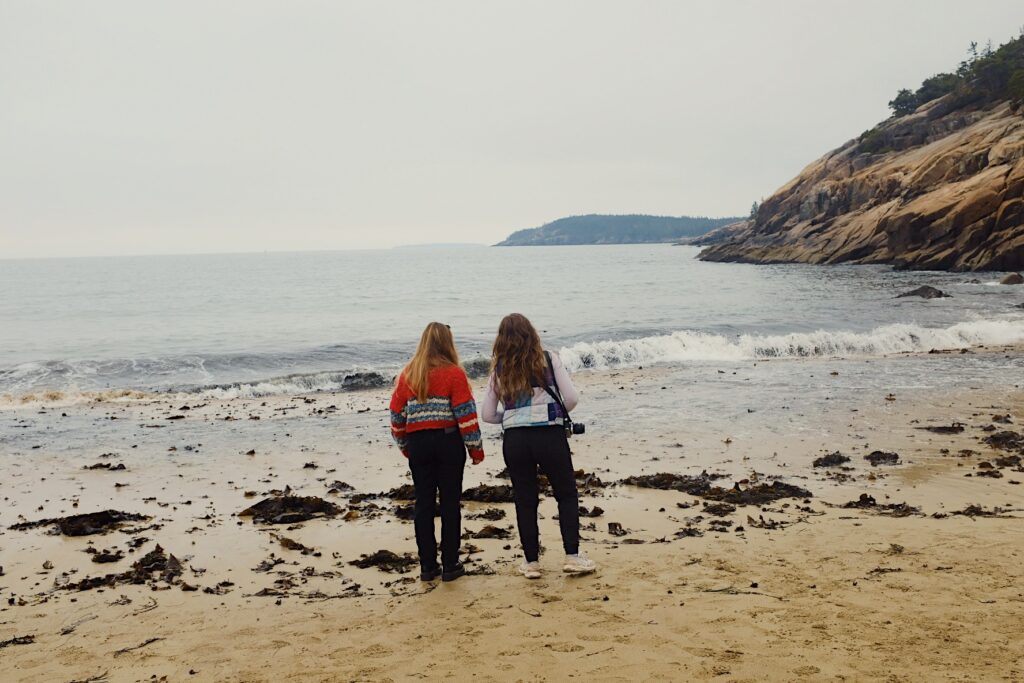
pixel 177 127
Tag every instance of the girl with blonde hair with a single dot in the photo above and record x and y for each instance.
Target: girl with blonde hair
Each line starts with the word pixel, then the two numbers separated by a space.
pixel 434 423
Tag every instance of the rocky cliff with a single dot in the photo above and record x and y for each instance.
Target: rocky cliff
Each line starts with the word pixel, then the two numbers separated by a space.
pixel 942 188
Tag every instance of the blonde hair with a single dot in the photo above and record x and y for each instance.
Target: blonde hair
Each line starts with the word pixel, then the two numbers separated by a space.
pixel 517 358
pixel 436 349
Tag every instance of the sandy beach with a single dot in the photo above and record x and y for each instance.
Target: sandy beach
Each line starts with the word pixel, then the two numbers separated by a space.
pixel 843 583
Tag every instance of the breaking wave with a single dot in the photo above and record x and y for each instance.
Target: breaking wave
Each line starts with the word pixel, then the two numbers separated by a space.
pixel 687 345
pixel 60 382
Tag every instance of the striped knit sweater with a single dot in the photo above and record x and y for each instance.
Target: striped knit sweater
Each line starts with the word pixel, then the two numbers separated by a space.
pixel 449 403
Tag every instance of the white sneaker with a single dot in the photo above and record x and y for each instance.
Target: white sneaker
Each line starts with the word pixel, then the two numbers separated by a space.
pixel 530 570
pixel 578 564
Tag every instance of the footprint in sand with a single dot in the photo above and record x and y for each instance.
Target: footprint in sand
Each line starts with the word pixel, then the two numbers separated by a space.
pixel 376 651
pixel 807 670
pixel 564 647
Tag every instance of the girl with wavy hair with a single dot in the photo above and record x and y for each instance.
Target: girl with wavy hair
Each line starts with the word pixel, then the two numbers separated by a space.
pixel 533 421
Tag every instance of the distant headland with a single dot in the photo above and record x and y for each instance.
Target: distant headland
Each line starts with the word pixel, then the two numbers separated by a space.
pixel 611 229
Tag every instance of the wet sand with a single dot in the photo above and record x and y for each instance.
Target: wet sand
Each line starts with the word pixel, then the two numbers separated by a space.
pixel 792 589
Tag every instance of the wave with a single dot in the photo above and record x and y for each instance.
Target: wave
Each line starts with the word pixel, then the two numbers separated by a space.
pixel 689 345
pixel 127 380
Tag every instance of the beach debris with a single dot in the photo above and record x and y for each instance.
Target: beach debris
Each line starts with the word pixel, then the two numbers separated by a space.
pixel 877 458
pixel 1002 419
pixel 156 565
pixel 979 511
pixel 339 487
pixel 106 556
pixel 150 605
pixel 98 678
pixel 386 561
pixel 85 524
pixel 591 512
pixel 689 532
pixel 588 480
pixel 491 514
pixel 126 650
pixel 615 529
pixel 363 380
pixel 758 494
pixel 1005 440
pixel 868 502
pixel 222 588
pixel 1007 461
pixel 17 640
pixel 732 590
pixel 1012 279
pixel 405 512
pixel 485 493
pixel 268 564
pixel 70 628
pixel 925 292
pixel 477 367
pixel 290 544
pixel 831 460
pixel 762 523
pixel 701 486
pixel 693 485
pixel 491 531
pixel 878 571
pixel 719 509
pixel 288 509
pixel 403 492
pixel 955 428
pixel 106 466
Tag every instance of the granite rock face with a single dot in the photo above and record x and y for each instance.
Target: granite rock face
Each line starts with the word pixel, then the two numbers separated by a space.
pixel 937 189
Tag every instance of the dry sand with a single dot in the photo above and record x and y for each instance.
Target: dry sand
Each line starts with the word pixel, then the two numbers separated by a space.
pixel 830 594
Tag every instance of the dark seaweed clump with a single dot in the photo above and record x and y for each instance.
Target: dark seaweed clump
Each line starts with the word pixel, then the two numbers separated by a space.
pixel 290 509
pixel 85 524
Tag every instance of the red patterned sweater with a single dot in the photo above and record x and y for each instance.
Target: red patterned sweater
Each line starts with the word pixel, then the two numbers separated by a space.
pixel 449 403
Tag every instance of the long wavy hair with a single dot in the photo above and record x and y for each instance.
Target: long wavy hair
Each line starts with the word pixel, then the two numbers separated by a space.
pixel 517 358
pixel 436 349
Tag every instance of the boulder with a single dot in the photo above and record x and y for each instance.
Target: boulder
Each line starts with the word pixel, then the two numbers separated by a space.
pixel 925 292
pixel 1012 279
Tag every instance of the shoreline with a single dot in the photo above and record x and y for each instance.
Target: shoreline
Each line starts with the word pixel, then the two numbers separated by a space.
pixel 806 589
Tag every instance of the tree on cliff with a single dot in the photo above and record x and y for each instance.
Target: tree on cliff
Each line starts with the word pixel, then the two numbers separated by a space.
pixel 986 76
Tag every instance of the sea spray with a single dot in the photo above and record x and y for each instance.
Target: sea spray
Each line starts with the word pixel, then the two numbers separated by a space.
pixel 694 346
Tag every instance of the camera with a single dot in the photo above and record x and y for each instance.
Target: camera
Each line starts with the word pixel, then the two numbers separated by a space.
pixel 574 428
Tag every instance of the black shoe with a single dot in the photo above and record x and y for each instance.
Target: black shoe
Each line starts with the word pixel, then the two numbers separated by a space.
pixel 454 572
pixel 430 574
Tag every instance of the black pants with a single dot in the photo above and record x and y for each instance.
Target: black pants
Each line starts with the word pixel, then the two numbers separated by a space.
pixel 437 460
pixel 526 449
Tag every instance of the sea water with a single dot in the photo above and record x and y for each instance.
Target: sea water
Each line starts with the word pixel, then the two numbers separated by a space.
pixel 258 324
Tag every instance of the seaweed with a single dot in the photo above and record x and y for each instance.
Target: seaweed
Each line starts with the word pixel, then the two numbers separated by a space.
pixel 85 524
pixel 290 509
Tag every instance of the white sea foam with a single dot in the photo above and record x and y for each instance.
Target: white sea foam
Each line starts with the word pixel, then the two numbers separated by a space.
pixel 687 345
pixel 678 347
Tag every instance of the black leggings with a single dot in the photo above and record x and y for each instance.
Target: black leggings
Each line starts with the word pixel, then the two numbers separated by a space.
pixel 526 449
pixel 437 459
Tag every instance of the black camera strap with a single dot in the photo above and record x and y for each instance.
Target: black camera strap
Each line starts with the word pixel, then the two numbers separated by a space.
pixel 556 393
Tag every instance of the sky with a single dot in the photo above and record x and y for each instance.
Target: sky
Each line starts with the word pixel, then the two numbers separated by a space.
pixel 210 126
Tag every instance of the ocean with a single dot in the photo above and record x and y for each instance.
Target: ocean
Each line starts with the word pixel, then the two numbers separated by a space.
pixel 280 323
